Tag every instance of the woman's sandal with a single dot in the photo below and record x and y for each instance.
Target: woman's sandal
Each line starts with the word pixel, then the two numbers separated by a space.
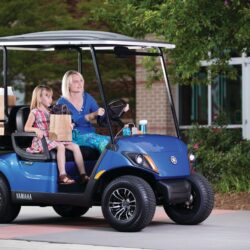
pixel 66 180
pixel 84 178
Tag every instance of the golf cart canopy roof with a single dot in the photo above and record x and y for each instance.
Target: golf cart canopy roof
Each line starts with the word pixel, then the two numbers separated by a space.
pixel 49 40
pixel 105 42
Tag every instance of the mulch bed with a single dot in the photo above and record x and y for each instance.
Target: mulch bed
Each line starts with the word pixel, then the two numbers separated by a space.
pixel 232 201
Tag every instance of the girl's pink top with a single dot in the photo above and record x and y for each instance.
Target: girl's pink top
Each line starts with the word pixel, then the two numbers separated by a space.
pixel 42 123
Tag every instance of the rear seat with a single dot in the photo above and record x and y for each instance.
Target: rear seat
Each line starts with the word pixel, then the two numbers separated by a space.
pixel 9 127
pixel 89 154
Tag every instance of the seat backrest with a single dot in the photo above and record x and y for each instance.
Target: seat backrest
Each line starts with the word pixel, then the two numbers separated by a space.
pixel 21 118
pixel 10 125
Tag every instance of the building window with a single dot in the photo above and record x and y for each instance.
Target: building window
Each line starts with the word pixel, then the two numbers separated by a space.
pixel 193 102
pixel 203 103
pixel 226 97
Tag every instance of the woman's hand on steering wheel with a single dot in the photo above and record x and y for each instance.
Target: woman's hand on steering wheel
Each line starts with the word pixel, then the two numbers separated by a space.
pixel 101 111
pixel 126 109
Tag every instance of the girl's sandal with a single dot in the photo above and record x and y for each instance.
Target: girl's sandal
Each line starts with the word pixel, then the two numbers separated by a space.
pixel 84 178
pixel 65 180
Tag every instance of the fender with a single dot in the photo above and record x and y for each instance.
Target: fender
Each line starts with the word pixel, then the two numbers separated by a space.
pixel 29 176
pixel 8 168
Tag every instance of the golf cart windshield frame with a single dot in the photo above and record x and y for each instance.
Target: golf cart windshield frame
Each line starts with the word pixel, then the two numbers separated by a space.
pixel 95 42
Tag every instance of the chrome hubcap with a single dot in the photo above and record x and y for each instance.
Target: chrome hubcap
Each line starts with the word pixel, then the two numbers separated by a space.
pixel 122 204
pixel 189 203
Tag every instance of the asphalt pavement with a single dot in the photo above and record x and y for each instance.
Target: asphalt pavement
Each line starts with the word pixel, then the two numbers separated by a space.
pixel 39 228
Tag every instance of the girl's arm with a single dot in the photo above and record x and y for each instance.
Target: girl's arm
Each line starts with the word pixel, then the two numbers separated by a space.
pixel 93 115
pixel 29 126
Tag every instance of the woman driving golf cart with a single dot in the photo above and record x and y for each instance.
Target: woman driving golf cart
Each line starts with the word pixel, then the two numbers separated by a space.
pixel 84 109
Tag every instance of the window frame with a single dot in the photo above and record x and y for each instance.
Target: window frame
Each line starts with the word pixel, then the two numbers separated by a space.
pixel 244 61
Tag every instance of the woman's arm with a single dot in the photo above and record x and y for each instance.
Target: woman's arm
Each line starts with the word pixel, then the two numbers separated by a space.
pixel 93 115
pixel 29 126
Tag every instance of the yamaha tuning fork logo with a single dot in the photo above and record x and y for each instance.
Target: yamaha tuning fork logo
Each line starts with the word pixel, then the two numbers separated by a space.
pixel 173 160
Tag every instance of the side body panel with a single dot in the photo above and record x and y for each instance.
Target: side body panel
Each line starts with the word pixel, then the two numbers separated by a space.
pixel 29 176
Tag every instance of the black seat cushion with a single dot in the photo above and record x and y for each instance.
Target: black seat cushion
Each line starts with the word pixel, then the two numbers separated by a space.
pixel 88 153
pixel 11 125
pixel 20 113
pixel 5 142
pixel 21 118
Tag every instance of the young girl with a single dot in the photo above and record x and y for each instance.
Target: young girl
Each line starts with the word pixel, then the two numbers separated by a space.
pixel 38 122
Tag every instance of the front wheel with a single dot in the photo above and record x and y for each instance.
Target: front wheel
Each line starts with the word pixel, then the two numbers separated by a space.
pixel 128 203
pixel 70 211
pixel 8 210
pixel 198 208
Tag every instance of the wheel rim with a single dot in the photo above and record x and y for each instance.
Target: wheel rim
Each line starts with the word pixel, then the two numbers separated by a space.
pixel 122 204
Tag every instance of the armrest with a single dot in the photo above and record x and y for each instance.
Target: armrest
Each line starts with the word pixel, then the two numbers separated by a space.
pixel 45 156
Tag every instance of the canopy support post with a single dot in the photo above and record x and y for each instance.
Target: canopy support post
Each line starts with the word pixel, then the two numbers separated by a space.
pixel 169 93
pixel 100 85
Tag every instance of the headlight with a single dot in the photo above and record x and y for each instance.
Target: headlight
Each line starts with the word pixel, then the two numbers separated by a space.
pixel 139 159
pixel 191 157
pixel 142 160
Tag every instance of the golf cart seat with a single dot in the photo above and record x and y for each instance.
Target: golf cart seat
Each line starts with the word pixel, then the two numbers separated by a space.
pixel 8 126
pixel 89 154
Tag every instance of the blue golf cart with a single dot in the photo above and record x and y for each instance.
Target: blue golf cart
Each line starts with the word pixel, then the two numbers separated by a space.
pixel 128 179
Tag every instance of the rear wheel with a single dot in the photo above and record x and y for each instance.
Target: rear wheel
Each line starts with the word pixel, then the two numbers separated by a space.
pixel 70 211
pixel 198 208
pixel 128 203
pixel 8 210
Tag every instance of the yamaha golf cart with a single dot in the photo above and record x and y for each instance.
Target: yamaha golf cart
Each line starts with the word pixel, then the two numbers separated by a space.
pixel 128 180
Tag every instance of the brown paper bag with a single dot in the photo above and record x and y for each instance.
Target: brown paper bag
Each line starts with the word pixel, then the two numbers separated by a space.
pixel 60 127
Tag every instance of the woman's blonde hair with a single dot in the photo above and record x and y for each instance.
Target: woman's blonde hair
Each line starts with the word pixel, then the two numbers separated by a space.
pixel 37 92
pixel 66 82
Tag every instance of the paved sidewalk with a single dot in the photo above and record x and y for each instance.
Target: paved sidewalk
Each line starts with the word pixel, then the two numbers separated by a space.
pixel 40 228
pixel 35 245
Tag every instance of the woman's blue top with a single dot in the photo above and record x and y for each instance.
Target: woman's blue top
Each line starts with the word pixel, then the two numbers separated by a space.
pixel 89 105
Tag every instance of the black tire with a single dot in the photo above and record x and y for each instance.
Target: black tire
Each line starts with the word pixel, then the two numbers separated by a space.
pixel 128 203
pixel 70 211
pixel 8 210
pixel 198 208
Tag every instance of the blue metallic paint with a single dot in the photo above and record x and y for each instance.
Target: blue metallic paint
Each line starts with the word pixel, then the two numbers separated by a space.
pixel 42 176
pixel 29 176
pixel 159 147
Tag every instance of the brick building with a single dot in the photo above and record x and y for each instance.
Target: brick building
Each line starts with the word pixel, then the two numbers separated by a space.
pixel 152 104
pixel 200 103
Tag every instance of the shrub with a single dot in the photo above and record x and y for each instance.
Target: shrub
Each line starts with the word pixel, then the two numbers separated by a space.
pixel 222 156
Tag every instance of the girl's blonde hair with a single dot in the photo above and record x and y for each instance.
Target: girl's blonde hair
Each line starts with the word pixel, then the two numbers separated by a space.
pixel 37 92
pixel 66 81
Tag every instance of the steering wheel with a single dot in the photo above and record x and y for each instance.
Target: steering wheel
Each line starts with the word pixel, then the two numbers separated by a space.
pixel 116 108
pixel 115 111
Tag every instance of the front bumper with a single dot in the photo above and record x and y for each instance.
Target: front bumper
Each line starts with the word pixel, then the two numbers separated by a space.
pixel 174 191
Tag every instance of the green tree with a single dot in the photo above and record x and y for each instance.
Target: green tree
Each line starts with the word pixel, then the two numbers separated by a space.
pixel 201 30
pixel 116 73
pixel 26 16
